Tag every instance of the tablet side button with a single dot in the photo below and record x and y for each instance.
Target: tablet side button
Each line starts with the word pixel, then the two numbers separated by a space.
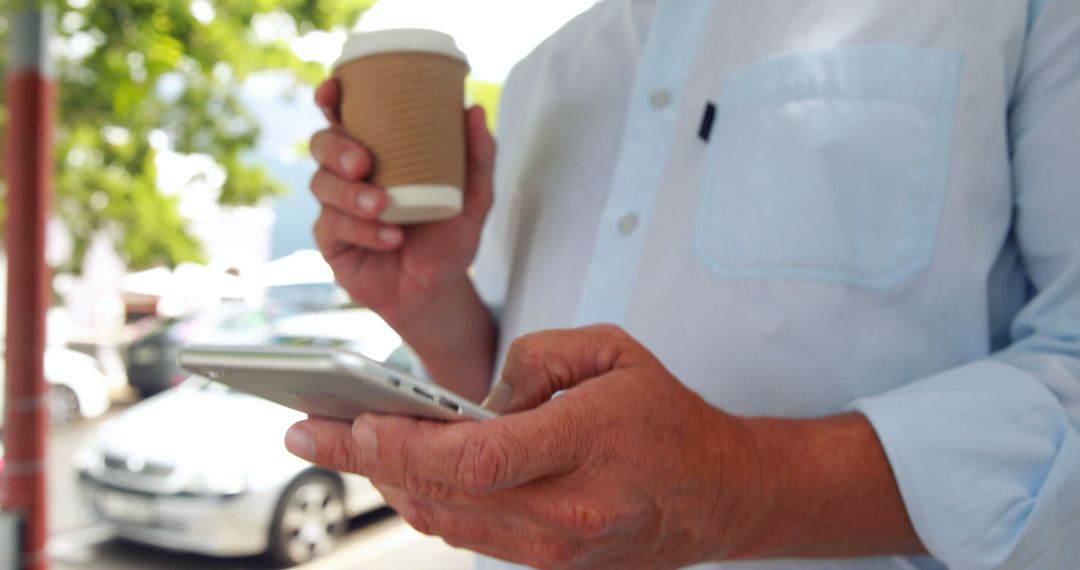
pixel 449 404
pixel 422 392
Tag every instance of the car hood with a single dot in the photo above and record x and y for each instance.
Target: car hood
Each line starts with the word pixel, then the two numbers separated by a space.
pixel 200 431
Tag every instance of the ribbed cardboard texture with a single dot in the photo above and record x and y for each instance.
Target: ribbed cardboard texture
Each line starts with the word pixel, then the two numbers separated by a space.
pixel 408 110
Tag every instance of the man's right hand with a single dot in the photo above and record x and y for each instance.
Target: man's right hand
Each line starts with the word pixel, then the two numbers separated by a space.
pixel 397 271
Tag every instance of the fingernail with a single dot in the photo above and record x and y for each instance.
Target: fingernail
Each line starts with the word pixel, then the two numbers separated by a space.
pixel 364 435
pixel 299 442
pixel 367 201
pixel 499 398
pixel 390 235
pixel 350 161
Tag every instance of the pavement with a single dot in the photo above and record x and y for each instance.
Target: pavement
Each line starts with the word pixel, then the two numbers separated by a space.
pixel 377 541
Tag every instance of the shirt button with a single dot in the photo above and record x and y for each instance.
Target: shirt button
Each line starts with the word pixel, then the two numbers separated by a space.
pixel 660 98
pixel 627 224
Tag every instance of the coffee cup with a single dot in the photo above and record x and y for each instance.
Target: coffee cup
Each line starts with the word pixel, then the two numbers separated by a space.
pixel 403 97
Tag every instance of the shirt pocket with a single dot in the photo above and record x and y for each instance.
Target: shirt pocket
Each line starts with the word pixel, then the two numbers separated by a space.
pixel 829 166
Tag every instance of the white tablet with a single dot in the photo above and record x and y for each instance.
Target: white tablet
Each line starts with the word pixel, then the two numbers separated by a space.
pixel 327 382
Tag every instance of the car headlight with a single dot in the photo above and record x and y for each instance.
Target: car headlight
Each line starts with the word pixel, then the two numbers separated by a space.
pixel 89 458
pixel 227 484
pixel 144 355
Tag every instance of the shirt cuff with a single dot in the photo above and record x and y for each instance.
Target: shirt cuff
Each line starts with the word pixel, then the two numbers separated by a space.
pixel 988 466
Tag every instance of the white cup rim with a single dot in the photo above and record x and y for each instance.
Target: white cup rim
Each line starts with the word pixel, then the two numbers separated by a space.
pixel 364 44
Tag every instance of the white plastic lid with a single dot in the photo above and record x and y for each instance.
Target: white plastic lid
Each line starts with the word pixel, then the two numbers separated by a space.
pixel 363 44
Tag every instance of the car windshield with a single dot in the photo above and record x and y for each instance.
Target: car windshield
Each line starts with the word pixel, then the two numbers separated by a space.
pixel 312 341
pixel 206 385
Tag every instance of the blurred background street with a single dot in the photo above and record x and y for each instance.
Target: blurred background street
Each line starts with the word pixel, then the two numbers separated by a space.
pixel 378 540
pixel 181 214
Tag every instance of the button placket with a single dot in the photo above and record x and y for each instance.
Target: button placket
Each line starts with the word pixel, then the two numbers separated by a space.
pixel 666 65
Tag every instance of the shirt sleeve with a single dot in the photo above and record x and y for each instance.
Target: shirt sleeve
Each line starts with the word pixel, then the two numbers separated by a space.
pixel 987 456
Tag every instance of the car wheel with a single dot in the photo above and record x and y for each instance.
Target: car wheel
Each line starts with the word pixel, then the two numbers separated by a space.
pixel 63 405
pixel 309 520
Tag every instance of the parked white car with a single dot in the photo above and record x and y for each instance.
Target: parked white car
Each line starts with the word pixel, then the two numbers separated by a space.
pixel 361 330
pixel 203 468
pixel 77 386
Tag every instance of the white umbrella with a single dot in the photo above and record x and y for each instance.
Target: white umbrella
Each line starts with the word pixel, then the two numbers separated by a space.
pixel 188 289
pixel 298 268
pixel 188 280
pixel 193 280
pixel 156 282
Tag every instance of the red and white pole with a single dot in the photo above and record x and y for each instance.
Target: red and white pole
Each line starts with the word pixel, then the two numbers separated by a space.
pixel 31 108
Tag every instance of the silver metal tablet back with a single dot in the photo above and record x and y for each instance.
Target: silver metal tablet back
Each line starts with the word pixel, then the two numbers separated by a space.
pixel 326 382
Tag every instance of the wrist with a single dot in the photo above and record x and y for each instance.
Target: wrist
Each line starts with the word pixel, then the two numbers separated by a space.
pixel 454 335
pixel 740 516
pixel 770 443
pixel 828 492
pixel 420 322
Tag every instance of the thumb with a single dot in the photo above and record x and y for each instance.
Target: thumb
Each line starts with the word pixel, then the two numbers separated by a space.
pixel 541 364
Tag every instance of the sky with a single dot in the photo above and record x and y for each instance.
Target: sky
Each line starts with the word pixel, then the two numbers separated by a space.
pixel 494 34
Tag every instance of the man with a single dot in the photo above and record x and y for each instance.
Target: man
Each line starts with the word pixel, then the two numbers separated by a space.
pixel 840 245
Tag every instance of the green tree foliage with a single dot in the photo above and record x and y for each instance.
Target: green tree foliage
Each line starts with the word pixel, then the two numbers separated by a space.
pixel 119 58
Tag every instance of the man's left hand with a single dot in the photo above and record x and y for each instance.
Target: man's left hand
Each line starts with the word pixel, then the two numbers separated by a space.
pixel 627 468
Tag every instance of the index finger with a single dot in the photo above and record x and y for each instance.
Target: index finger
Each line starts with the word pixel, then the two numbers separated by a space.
pixel 328 98
pixel 476 456
pixel 338 152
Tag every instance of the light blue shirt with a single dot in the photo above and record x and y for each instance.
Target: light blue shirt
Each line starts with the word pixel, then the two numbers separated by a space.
pixel 881 212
